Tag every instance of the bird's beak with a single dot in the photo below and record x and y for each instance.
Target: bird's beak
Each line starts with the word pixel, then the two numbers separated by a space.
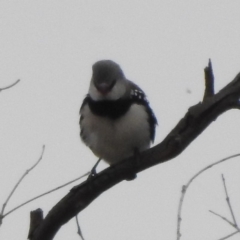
pixel 103 88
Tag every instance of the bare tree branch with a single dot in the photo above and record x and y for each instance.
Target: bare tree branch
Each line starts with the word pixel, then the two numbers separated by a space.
pixel 185 188
pixel 79 229
pixel 17 184
pixel 234 224
pixel 43 194
pixel 4 88
pixel 230 235
pixel 229 203
pixel 196 120
pixel 209 81
pixel 36 218
pixel 223 218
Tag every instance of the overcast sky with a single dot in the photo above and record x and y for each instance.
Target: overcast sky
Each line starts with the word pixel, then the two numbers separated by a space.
pixel 163 46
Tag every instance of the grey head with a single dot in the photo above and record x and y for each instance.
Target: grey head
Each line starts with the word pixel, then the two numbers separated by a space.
pixel 108 81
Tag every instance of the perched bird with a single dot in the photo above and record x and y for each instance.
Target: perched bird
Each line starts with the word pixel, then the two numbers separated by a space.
pixel 116 119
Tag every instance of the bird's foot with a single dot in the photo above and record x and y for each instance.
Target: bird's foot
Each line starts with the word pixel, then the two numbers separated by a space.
pixel 92 174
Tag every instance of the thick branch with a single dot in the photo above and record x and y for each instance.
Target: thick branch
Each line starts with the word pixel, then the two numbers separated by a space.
pixel 196 120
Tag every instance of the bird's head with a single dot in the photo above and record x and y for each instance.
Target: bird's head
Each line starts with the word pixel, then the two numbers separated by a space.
pixel 108 81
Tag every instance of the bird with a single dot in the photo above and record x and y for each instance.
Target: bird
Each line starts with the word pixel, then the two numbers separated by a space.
pixel 116 120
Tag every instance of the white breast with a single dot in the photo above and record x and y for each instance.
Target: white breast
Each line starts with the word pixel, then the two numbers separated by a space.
pixel 114 140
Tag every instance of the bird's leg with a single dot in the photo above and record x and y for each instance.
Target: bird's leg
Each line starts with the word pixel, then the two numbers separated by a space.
pixel 91 175
pixel 93 172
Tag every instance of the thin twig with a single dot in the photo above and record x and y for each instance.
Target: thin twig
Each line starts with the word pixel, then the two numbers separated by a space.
pixel 43 194
pixel 228 201
pixel 4 88
pixel 228 236
pixel 223 218
pixel 185 187
pixel 79 229
pixel 19 181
